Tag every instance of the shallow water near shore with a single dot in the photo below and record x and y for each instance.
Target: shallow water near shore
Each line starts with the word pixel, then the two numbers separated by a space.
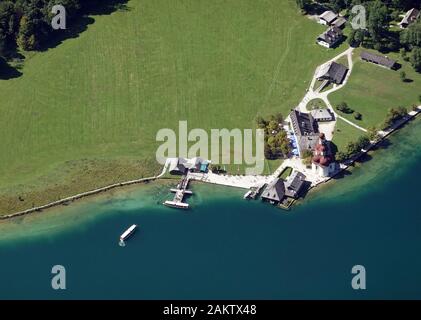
pixel 229 248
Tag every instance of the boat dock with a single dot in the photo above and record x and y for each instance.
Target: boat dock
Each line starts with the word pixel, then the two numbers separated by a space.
pixel 254 192
pixel 180 192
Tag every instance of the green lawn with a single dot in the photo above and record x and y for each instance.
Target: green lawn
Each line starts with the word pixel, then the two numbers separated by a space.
pixel 86 112
pixel 345 133
pixel 343 60
pixel 286 173
pixel 373 90
pixel 316 104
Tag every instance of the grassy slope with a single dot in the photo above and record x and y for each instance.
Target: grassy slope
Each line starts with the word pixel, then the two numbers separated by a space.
pixel 383 90
pixel 85 113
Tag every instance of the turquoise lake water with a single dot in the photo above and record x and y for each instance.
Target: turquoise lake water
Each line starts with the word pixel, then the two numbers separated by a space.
pixel 229 248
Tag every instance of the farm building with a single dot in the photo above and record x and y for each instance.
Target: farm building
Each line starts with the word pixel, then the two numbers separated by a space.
pixel 377 59
pixel 332 71
pixel 327 18
pixel 410 17
pixel 330 38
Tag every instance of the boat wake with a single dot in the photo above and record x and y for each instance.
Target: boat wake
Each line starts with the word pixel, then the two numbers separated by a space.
pixel 121 243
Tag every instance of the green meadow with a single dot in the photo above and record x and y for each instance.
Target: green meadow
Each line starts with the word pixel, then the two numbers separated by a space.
pixel 373 90
pixel 344 133
pixel 85 113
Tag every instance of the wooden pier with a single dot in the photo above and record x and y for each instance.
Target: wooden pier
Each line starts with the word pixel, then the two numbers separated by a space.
pixel 180 193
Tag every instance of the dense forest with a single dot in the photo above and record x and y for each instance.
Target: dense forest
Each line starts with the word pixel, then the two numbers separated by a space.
pixel 26 24
pixel 378 35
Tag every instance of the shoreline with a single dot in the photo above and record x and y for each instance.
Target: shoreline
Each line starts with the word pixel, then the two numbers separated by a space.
pixel 65 201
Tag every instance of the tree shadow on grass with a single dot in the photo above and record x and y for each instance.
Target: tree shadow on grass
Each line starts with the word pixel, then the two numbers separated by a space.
pixel 105 7
pixel 315 9
pixel 7 71
pixel 80 24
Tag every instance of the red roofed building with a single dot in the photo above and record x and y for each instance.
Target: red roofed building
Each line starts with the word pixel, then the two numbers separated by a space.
pixel 323 163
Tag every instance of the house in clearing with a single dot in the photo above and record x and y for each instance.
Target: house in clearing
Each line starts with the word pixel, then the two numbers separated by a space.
pixel 330 38
pixel 410 17
pixel 332 71
pixel 328 17
pixel 379 60
pixel 305 129
pixel 322 115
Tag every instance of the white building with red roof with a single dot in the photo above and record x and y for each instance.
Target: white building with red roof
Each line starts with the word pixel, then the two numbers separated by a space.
pixel 323 162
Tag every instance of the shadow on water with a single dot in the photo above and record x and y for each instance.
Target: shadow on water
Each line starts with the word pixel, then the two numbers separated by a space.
pixel 342 174
pixel 306 189
pixel 364 158
pixel 383 145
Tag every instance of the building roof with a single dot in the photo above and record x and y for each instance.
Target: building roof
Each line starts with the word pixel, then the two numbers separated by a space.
pixel 328 16
pixel 321 114
pixel 181 165
pixel 334 71
pixel 410 17
pixel 303 124
pixel 331 35
pixel 340 22
pixel 294 184
pixel 381 60
pixel 275 191
pixel 323 154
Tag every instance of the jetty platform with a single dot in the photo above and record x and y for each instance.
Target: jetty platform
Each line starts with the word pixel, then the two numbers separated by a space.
pixel 180 193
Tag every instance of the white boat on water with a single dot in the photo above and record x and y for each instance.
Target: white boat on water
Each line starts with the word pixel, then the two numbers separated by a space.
pixel 128 232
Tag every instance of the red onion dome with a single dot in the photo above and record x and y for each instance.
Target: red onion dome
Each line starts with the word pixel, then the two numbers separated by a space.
pixel 324 161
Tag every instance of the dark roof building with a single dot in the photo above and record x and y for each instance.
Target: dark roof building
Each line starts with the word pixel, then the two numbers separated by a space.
pixel 180 166
pixel 330 38
pixel 275 191
pixel 305 129
pixel 303 124
pixel 377 59
pixel 332 71
pixel 410 17
pixel 295 184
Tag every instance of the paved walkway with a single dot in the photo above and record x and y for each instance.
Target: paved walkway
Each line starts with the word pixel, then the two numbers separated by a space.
pixel 313 93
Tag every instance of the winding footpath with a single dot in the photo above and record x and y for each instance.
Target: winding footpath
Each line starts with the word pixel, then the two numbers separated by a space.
pixel 316 94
